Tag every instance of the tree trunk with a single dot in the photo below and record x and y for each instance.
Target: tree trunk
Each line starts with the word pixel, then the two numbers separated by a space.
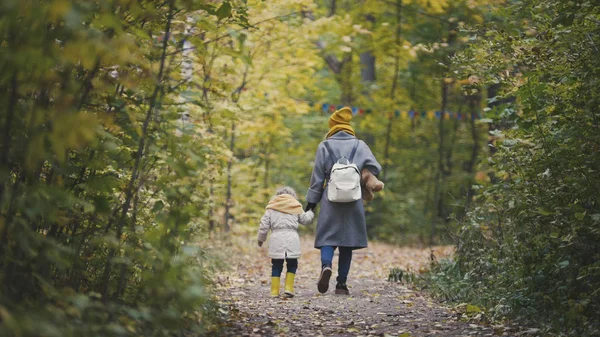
pixel 439 177
pixel 211 221
pixel 140 152
pixel 229 165
pixel 442 171
pixel 367 69
pixel 343 77
pixel 122 283
pixel 266 177
pixel 388 134
pixel 10 112
pixel 455 125
pixel 332 8
pixel 474 102
pixel 87 84
pixel 367 59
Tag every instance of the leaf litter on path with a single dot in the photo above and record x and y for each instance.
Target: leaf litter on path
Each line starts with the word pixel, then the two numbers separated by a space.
pixel 374 307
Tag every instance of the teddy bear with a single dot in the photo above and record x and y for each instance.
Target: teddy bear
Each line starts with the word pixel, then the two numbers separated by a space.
pixel 369 185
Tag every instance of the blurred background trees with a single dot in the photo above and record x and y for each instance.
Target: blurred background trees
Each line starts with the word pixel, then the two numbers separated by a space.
pixel 385 58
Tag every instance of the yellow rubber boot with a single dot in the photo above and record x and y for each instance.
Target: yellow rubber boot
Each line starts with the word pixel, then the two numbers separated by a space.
pixel 275 286
pixel 289 284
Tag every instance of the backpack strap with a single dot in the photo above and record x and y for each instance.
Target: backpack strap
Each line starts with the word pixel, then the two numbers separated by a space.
pixel 351 159
pixel 332 157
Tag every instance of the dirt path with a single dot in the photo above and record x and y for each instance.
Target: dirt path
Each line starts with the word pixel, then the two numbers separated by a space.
pixel 375 307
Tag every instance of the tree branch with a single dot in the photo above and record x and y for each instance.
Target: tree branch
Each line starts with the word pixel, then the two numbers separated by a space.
pixel 419 12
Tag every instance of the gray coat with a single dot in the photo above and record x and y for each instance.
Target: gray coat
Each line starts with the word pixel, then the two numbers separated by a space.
pixel 340 224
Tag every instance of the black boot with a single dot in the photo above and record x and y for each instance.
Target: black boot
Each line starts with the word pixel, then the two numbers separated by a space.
pixel 342 289
pixel 323 284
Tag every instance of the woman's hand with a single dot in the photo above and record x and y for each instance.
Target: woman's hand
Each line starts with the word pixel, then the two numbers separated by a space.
pixel 260 243
pixel 310 206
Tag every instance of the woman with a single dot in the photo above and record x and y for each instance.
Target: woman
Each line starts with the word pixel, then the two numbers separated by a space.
pixel 340 225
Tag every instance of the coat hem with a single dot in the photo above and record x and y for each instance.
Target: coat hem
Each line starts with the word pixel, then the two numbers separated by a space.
pixel 353 247
pixel 283 257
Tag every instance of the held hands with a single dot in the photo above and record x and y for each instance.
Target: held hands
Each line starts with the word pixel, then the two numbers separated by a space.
pixel 310 206
pixel 260 243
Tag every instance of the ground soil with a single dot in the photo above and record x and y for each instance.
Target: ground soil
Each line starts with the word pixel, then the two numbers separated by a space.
pixel 375 306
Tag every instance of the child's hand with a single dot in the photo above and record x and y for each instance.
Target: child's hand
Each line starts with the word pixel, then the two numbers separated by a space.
pixel 311 214
pixel 260 243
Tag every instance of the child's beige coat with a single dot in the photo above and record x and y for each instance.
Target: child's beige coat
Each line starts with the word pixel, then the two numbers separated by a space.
pixel 284 241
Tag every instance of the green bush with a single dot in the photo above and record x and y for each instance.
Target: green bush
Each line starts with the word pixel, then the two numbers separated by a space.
pixel 99 187
pixel 530 249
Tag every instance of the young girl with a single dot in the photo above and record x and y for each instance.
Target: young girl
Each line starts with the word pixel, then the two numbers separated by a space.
pixel 282 215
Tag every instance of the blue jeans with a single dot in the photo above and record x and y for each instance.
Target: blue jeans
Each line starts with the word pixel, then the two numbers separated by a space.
pixel 277 268
pixel 344 260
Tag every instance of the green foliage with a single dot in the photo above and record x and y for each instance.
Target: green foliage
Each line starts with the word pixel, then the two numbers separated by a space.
pixel 428 164
pixel 130 129
pixel 281 73
pixel 530 247
pixel 401 276
pixel 448 282
pixel 101 188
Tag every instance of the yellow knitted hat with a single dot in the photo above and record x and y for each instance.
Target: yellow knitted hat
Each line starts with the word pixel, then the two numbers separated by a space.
pixel 341 116
pixel 340 121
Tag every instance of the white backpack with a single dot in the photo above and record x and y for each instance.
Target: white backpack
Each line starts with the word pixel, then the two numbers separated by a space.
pixel 343 180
